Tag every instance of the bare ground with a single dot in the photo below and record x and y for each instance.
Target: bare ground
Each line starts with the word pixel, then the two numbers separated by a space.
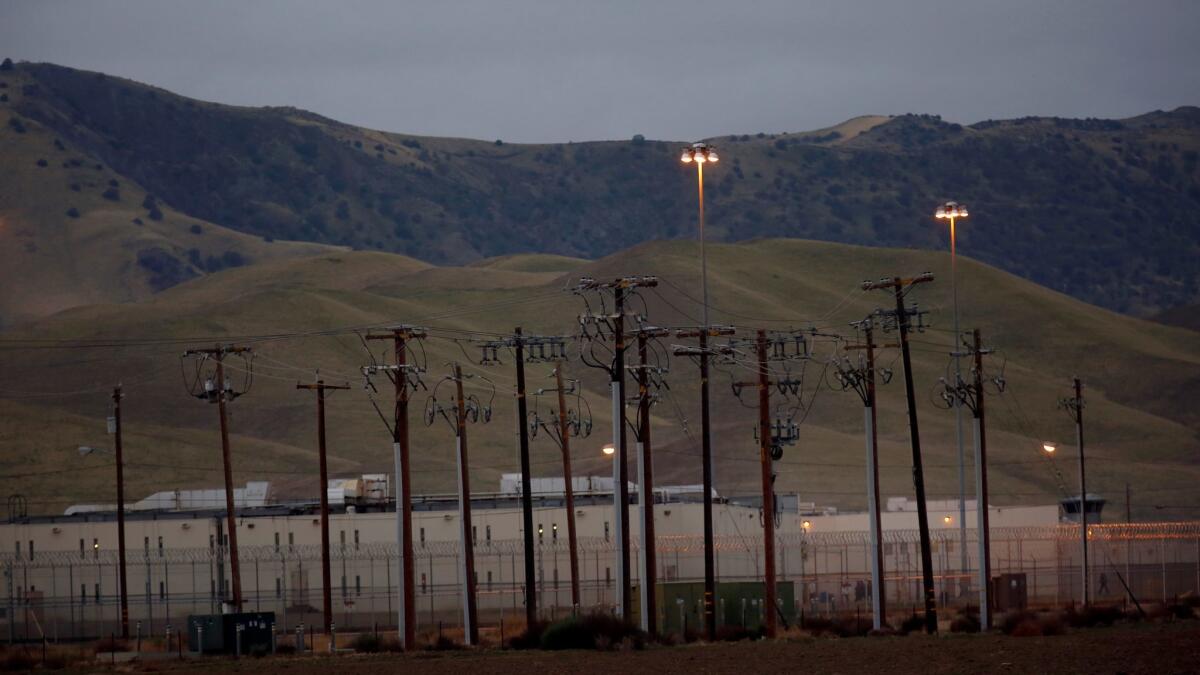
pixel 1130 648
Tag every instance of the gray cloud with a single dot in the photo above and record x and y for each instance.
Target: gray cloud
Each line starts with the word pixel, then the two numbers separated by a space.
pixel 530 70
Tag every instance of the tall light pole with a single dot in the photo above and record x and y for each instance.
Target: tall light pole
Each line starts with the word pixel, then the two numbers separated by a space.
pixel 952 211
pixel 701 154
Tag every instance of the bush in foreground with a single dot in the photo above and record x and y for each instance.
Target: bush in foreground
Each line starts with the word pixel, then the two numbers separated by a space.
pixel 591 631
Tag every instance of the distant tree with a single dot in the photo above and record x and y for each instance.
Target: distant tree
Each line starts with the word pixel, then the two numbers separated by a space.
pixel 499 142
pixel 7 64
pixel 639 139
pixel 155 213
pixel 73 212
pixel 149 202
pixel 112 194
pixel 196 229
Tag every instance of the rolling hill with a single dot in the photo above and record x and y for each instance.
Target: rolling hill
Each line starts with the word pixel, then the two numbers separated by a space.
pixel 1107 211
pixel 300 315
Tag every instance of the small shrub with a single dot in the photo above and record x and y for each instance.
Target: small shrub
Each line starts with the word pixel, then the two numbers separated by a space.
pixel 1052 624
pixel 75 187
pixel 155 214
pixel 42 163
pixel 914 623
pixel 499 142
pixel 73 212
pixel 1180 610
pixel 112 182
pixel 196 229
pixel 592 631
pixel 967 621
pixel 1009 621
pixel 1027 628
pixel 851 626
pixel 1091 616
pixel 390 644
pixel 444 644
pixel 112 194
pixel 138 221
pixel 16 124
pixel 285 648
pixel 368 643
pixel 3 98
pixel 817 625
pixel 530 638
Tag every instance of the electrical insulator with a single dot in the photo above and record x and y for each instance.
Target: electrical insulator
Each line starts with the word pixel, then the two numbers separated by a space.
pixel 209 386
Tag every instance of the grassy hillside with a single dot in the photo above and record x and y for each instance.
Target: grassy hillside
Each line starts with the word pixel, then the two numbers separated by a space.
pixel 1104 210
pixel 75 232
pixel 1137 372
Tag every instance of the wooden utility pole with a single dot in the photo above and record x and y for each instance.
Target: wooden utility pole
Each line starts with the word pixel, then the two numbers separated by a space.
pixel 981 492
pixel 407 612
pixel 326 587
pixel 564 433
pixel 221 393
pixel 649 574
pixel 531 614
pixel 464 504
pixel 706 460
pixel 116 398
pixel 898 286
pixel 768 487
pixel 1075 406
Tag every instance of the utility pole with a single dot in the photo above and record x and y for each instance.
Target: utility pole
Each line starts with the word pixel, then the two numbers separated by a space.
pixel 771 439
pixel 614 325
pixel 116 399
pixel 221 392
pixel 464 408
pixel 768 489
pixel 326 591
pixel 1075 406
pixel 899 287
pixel 862 380
pixel 564 435
pixel 567 423
pixel 647 375
pixel 400 374
pixel 706 460
pixel 536 346
pixel 972 396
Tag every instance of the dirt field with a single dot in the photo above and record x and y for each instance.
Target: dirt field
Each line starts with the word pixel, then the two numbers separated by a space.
pixel 1137 648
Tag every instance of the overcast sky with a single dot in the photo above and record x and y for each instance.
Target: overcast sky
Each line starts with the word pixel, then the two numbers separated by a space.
pixel 558 70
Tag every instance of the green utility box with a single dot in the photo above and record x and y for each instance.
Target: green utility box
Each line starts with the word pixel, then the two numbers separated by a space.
pixel 218 633
pixel 738 603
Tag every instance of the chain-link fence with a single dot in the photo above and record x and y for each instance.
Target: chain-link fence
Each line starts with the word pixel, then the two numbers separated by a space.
pixel 68 595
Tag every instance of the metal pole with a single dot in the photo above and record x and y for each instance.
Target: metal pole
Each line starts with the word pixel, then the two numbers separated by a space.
pixel 958 423
pixel 768 488
pixel 565 437
pixel 406 561
pixel 878 597
pixel 531 614
pixel 1082 489
pixel 470 624
pixel 918 471
pixel 981 494
pixel 710 583
pixel 230 515
pixel 116 397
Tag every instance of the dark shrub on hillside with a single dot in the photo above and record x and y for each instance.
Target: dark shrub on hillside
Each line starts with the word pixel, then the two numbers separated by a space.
pixel 42 163
pixel 7 64
pixel 112 194
pixel 73 212
pixel 196 229
pixel 149 202
pixel 155 214
pixel 3 98
pixel 17 126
